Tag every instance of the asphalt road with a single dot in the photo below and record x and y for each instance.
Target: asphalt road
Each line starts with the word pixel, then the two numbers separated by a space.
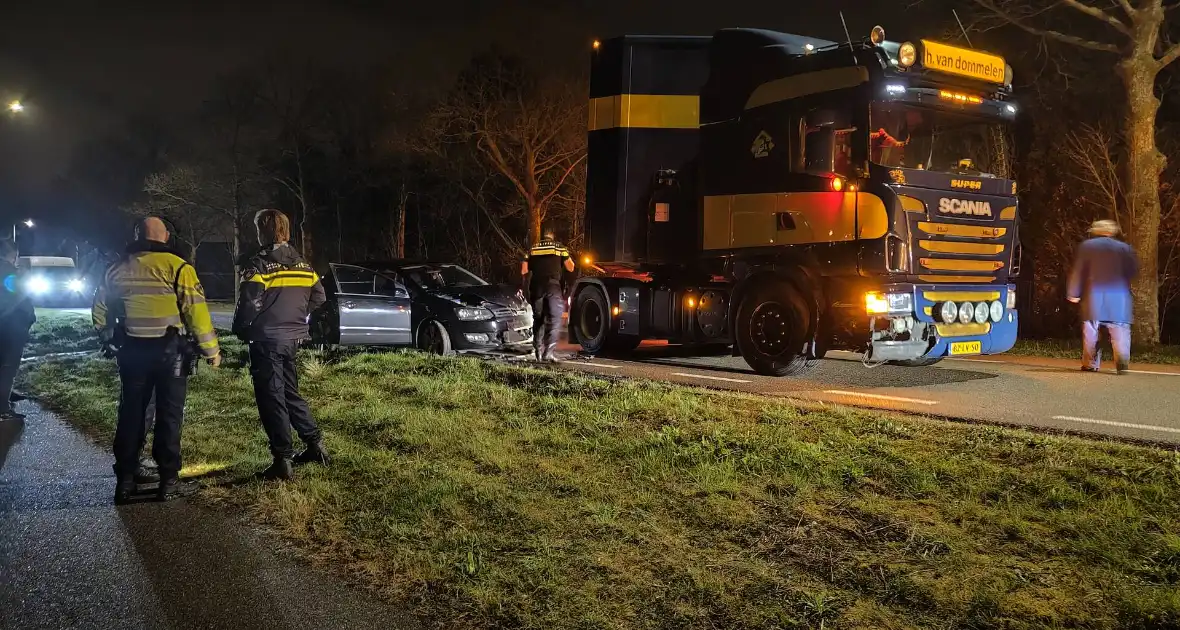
pixel 70 559
pixel 1043 393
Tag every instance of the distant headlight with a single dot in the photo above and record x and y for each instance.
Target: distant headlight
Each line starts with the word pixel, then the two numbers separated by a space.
pixel 473 314
pixel 38 285
pixel 77 285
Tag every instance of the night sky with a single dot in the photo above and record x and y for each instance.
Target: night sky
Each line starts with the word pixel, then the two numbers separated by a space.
pixel 83 68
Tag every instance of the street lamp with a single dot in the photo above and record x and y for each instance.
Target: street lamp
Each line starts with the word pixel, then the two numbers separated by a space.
pixel 27 223
pixel 16 107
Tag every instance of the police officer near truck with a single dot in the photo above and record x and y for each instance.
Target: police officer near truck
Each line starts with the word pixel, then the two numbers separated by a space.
pixel 151 308
pixel 277 295
pixel 542 272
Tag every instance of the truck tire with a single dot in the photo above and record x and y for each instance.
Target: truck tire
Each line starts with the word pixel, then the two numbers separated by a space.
pixel 923 362
pixel 771 330
pixel 591 318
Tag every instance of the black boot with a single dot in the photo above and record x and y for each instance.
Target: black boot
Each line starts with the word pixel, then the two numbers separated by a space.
pixel 313 454
pixel 280 470
pixel 146 476
pixel 124 490
pixel 173 488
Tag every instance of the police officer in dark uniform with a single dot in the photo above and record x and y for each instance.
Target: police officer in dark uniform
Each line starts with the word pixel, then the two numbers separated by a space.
pixel 150 305
pixel 279 291
pixel 543 269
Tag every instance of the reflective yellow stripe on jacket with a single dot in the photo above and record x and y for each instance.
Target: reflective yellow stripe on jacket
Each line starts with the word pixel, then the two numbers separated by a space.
pixel 152 291
pixel 286 278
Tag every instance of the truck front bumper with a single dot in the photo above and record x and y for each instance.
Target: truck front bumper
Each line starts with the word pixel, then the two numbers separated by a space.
pixel 921 333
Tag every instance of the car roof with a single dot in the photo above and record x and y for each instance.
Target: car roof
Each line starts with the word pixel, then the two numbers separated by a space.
pixel 395 264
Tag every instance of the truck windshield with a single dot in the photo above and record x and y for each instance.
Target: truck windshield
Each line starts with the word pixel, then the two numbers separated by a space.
pixel 904 136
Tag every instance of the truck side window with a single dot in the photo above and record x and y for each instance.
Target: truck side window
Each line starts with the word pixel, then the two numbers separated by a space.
pixel 819 147
pixel 842 162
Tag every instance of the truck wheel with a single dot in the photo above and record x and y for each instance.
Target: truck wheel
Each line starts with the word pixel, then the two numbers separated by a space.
pixel 923 362
pixel 591 320
pixel 771 330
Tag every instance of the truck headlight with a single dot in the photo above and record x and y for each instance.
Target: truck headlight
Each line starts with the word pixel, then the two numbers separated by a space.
pixel 473 314
pixel 966 312
pixel 982 311
pixel 997 311
pixel 877 303
pixel 38 285
pixel 1011 298
pixel 948 312
pixel 77 285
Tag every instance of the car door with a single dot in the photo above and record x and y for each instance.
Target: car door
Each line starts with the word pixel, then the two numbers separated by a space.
pixel 374 309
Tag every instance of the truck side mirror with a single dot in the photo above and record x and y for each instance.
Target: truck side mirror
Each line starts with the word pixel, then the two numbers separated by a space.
pixel 819 150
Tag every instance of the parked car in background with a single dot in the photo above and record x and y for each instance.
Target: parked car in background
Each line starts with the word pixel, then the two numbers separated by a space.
pixel 54 281
pixel 437 307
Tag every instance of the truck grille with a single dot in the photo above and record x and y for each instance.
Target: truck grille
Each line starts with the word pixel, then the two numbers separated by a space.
pixel 960 253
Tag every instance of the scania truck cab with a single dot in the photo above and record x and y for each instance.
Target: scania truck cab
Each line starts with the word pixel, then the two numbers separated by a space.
pixel 786 195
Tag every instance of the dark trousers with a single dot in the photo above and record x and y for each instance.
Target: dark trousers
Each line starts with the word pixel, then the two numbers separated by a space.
pixel 12 347
pixel 548 305
pixel 276 388
pixel 147 368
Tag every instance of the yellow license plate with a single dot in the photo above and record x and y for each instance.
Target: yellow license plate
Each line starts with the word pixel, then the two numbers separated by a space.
pixel 967 347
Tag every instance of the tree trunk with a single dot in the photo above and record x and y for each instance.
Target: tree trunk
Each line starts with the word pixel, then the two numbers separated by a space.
pixel 400 229
pixel 535 217
pixel 1145 163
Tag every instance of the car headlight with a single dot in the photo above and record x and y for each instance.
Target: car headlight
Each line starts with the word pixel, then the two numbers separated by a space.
pixel 473 314
pixel 982 310
pixel 948 312
pixel 77 285
pixel 997 311
pixel 38 285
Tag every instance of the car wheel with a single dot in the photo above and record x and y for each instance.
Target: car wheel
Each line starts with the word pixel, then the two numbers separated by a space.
pixel 434 338
pixel 771 330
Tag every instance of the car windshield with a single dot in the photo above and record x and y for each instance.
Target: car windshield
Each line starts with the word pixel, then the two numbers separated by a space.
pixel 442 277
pixel 904 136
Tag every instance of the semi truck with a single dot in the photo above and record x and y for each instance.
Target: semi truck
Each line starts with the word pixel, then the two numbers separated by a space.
pixel 786 196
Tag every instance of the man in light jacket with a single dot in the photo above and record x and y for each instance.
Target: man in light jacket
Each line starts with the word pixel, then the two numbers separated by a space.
pixel 1101 281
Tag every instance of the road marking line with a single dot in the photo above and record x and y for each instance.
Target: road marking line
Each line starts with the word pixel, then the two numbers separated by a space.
pixel 602 365
pixel 1155 373
pixel 1121 425
pixel 710 378
pixel 916 401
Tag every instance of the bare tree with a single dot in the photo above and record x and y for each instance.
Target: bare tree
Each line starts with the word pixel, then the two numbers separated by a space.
pixel 527 131
pixel 1136 35
pixel 184 197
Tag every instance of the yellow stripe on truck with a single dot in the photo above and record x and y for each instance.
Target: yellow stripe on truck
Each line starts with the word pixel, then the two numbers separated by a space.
pixel 964 231
pixel 644 111
pixel 954 247
pixel 954 264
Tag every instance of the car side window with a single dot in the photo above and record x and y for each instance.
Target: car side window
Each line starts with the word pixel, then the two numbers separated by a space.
pixel 354 280
pixel 387 286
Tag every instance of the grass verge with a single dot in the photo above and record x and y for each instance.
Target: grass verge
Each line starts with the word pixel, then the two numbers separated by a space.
pixel 1072 349
pixel 484 495
pixel 60 331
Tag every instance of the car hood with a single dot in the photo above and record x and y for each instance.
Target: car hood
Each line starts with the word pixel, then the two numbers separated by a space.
pixel 502 295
